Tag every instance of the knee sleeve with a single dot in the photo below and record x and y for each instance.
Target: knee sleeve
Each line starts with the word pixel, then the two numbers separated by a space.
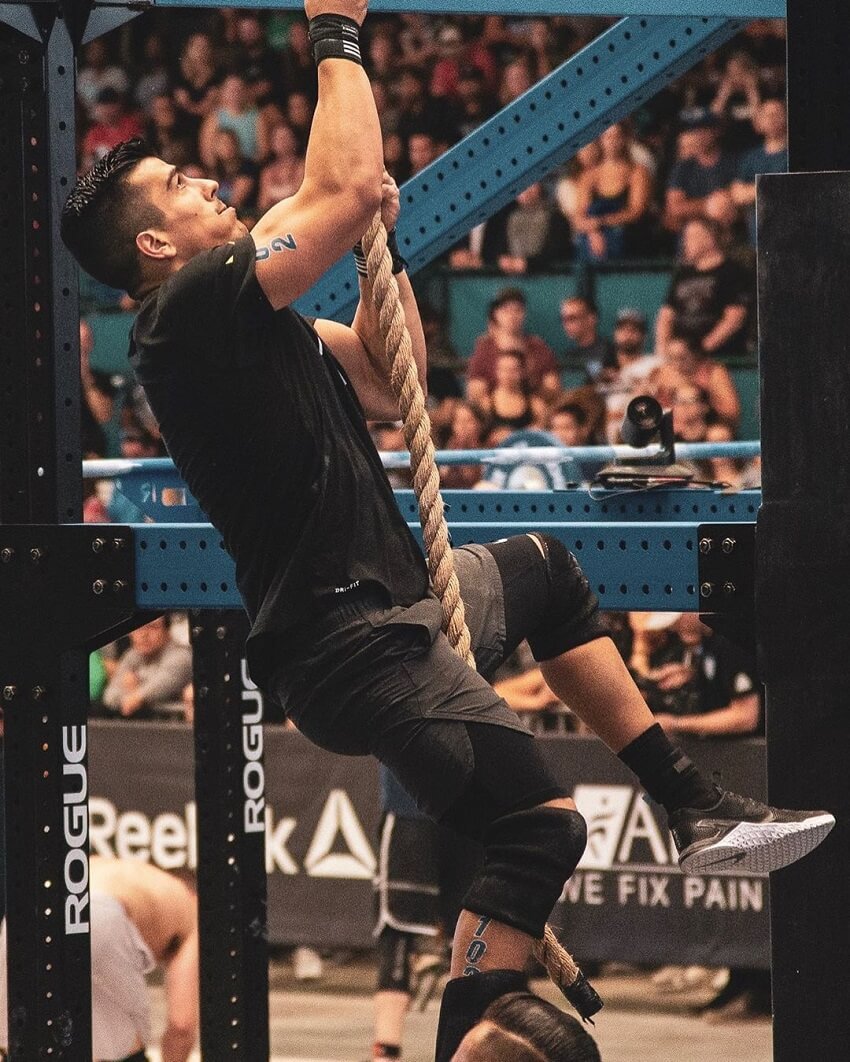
pixel 571 616
pixel 394 961
pixel 528 855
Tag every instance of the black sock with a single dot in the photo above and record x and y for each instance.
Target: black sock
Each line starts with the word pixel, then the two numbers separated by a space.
pixel 666 773
pixel 386 1051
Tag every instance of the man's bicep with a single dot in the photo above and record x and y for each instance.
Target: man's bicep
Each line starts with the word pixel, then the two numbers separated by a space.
pixel 296 242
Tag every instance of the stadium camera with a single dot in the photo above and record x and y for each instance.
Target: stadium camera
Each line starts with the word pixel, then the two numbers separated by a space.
pixel 645 423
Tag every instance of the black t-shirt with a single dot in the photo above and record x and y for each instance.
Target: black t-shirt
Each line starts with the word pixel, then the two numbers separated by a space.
pixel 699 298
pixel 269 436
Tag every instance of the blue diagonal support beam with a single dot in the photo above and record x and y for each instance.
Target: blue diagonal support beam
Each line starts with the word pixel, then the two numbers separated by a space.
pixel 723 8
pixel 546 126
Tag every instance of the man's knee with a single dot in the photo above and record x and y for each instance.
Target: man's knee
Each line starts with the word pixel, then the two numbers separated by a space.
pixel 528 855
pixel 571 616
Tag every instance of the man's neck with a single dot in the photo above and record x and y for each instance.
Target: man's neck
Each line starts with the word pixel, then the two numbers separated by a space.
pixel 773 145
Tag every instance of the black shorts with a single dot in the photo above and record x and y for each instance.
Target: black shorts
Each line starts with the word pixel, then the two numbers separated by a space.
pixel 367 678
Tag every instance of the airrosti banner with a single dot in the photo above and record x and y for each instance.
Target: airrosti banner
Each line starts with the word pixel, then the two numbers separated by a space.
pixel 627 899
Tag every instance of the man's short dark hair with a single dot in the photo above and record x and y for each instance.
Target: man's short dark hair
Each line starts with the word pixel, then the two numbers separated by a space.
pixel 103 215
pixel 553 1033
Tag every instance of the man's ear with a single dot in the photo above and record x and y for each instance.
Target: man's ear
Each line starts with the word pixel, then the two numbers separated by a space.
pixel 153 245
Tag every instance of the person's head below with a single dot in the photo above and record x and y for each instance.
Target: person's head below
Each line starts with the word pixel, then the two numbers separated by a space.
pixel 580 320
pixel 629 333
pixel 150 640
pixel 511 374
pixel 702 241
pixel 570 424
pixel 133 220
pixel 522 1027
pixel 508 311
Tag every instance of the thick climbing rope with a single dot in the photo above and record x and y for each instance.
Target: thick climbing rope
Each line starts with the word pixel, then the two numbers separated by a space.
pixel 404 378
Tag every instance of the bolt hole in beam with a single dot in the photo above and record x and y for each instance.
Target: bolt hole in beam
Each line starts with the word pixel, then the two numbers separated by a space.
pixel 601 84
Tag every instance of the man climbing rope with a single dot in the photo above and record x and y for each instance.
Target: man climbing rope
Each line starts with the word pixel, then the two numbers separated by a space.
pixel 264 413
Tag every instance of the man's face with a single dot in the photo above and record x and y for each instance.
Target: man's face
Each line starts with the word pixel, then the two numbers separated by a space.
pixel 629 336
pixel 697 240
pixel 574 318
pixel 567 429
pixel 196 219
pixel 510 316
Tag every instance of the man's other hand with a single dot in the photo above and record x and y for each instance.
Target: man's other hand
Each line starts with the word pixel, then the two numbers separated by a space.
pixel 390 202
pixel 355 9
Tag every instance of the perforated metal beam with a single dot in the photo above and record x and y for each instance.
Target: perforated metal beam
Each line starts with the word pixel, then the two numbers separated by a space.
pixel 640 551
pixel 528 139
pixel 725 8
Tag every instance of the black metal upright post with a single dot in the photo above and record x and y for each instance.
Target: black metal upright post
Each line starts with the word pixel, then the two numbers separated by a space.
pixel 818 100
pixel 45 698
pixel 230 794
pixel 803 598
pixel 803 539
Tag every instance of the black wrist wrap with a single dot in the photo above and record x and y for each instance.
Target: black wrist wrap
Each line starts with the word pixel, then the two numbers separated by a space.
pixel 360 260
pixel 334 37
pixel 399 263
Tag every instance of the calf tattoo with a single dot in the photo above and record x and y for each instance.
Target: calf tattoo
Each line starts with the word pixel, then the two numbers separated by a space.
pixel 477 949
pixel 278 244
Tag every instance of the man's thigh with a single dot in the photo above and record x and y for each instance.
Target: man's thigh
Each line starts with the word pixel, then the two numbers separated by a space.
pixel 467 775
pixel 505 590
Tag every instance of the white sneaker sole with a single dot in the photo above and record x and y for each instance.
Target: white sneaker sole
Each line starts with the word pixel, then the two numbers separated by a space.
pixel 759 847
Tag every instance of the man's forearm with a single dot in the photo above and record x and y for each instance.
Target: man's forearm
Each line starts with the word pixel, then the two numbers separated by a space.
pixel 345 145
pixel 367 325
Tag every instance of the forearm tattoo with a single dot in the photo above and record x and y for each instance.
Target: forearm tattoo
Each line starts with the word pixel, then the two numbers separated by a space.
pixel 278 244
pixel 477 949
